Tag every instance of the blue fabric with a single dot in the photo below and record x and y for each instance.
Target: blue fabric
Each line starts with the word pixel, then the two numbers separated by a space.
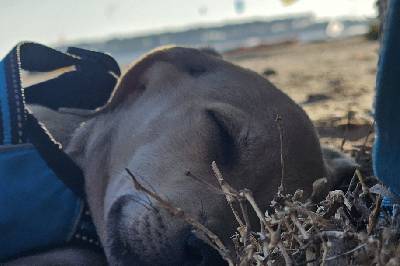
pixel 5 112
pixel 37 209
pixel 42 198
pixel 386 154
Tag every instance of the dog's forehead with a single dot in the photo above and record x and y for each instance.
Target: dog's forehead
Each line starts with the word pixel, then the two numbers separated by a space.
pixel 214 78
pixel 182 58
pixel 186 60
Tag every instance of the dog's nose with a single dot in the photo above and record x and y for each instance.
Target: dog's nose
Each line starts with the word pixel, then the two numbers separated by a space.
pixel 198 253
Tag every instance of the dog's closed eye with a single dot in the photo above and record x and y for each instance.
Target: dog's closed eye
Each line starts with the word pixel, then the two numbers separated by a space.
pixel 196 71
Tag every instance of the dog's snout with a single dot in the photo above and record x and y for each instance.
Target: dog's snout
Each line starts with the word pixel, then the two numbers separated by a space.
pixel 197 253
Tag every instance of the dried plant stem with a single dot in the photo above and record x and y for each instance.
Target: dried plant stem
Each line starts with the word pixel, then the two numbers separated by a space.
pixel 249 196
pixel 373 217
pixel 279 123
pixel 362 149
pixel 352 183
pixel 324 252
pixel 230 193
pixel 364 186
pixel 246 218
pixel 285 255
pixel 346 253
pixel 299 227
pixel 346 131
pixel 337 234
pixel 208 185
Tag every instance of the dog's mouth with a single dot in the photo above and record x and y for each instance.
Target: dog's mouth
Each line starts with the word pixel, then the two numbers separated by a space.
pixel 122 239
pixel 141 232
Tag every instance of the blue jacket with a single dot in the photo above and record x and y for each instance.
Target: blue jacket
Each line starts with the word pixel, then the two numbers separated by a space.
pixel 386 153
pixel 42 203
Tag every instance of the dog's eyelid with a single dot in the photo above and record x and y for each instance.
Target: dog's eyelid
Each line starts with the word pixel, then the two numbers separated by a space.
pixel 142 87
pixel 196 71
pixel 228 144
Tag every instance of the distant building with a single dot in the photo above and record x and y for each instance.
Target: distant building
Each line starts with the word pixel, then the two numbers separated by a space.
pixel 303 28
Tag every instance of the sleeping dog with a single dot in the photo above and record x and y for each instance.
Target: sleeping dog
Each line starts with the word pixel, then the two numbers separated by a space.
pixel 175 111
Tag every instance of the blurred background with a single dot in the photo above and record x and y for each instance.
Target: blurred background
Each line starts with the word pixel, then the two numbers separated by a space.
pixel 128 28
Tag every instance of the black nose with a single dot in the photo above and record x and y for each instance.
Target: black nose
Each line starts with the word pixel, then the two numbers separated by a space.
pixel 198 253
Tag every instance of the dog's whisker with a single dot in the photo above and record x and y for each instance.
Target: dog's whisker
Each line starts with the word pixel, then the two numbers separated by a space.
pixel 149 202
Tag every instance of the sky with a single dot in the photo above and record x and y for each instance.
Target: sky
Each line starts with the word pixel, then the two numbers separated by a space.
pixel 54 22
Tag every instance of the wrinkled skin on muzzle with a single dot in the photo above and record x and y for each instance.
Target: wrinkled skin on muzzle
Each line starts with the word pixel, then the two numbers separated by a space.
pixel 173 112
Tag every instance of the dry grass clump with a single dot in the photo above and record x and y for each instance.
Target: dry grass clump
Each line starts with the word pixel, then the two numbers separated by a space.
pixel 343 229
pixel 348 227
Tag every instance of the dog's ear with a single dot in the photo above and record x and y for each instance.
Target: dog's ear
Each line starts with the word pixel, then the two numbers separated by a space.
pixel 186 60
pixel 131 82
pixel 340 167
pixel 211 51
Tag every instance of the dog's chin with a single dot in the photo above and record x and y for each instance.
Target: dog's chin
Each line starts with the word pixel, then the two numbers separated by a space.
pixel 118 258
pixel 121 251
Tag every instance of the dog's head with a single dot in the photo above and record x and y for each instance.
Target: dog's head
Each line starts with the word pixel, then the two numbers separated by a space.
pixel 173 113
